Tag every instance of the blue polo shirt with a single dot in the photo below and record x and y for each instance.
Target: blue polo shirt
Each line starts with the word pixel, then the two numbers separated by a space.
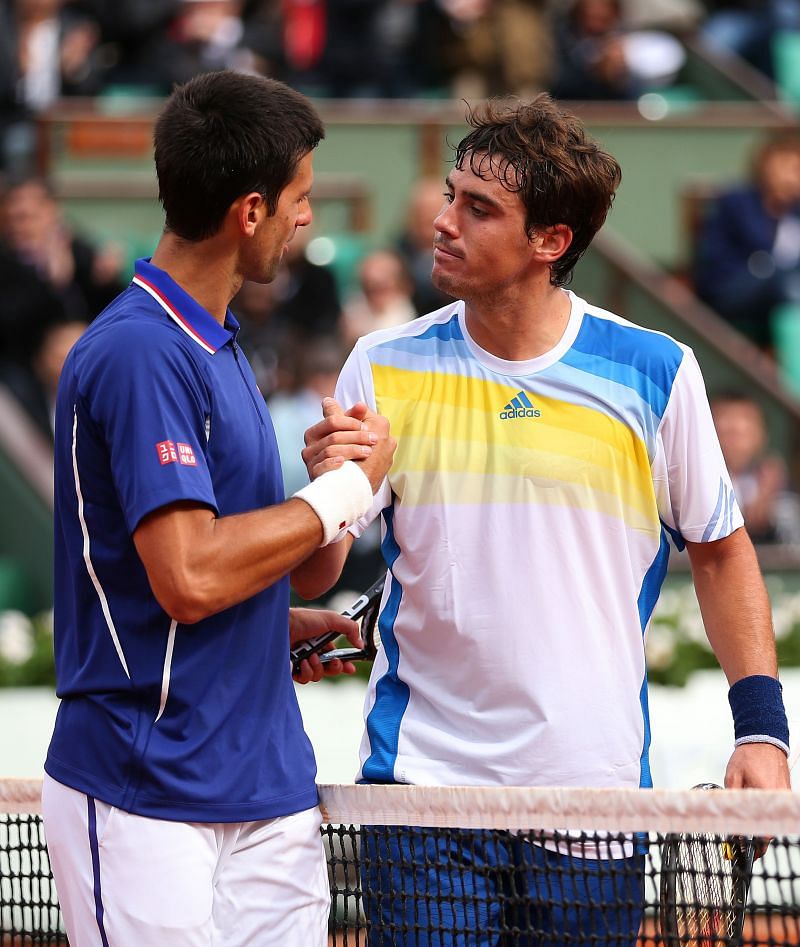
pixel 157 404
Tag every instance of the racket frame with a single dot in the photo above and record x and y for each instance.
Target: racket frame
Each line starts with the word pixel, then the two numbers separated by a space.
pixel 365 607
pixel 740 853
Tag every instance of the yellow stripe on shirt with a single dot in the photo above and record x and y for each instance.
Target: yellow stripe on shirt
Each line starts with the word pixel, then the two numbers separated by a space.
pixel 454 447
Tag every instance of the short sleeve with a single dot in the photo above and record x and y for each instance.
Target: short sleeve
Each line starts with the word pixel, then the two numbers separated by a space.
pixel 694 490
pixel 151 405
pixel 356 384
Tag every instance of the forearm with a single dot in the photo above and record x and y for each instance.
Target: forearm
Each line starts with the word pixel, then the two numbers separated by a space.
pixel 738 621
pixel 201 564
pixel 262 547
pixel 316 574
pixel 734 605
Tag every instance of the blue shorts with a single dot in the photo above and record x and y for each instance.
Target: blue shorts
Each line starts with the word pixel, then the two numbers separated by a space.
pixel 439 888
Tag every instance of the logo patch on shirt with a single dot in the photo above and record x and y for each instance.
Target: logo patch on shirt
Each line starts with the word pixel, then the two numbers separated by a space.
pixel 519 407
pixel 166 452
pixel 186 455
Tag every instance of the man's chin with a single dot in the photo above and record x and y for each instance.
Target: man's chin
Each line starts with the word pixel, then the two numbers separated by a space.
pixel 270 271
pixel 444 285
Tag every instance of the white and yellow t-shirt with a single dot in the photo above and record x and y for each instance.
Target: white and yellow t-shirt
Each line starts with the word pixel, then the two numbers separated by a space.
pixel 525 525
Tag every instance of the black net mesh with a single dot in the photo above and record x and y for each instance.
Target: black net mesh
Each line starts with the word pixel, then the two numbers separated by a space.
pixel 29 912
pixel 396 886
pixel 393 886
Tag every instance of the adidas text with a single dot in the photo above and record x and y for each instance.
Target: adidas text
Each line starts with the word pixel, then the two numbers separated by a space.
pixel 510 413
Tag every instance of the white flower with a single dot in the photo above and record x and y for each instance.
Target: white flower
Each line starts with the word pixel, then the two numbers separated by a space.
pixel 44 621
pixel 669 602
pixel 660 646
pixel 786 614
pixel 692 627
pixel 16 637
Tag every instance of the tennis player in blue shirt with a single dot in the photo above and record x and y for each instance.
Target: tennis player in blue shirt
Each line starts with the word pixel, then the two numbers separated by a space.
pixel 180 800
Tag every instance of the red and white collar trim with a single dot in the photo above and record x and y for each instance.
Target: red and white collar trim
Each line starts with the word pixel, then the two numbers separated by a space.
pixel 180 320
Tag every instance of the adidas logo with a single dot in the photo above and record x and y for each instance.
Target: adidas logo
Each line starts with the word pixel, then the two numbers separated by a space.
pixel 519 407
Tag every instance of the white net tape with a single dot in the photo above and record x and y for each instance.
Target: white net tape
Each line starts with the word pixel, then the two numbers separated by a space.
pixel 732 811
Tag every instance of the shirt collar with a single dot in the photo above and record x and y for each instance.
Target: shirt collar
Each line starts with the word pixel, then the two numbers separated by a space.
pixel 188 315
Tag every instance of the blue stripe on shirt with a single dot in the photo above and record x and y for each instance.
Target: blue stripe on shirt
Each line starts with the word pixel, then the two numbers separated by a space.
pixel 391 693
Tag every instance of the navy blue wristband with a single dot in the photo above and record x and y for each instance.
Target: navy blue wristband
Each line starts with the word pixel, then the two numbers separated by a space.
pixel 758 713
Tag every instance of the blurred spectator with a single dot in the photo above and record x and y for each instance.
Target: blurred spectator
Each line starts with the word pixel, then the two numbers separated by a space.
pixel 148 45
pixel 600 57
pixel 134 37
pixel 278 320
pixel 415 243
pixel 47 49
pixel 355 48
pixel 747 259
pixel 32 227
pixel 34 386
pixel 293 412
pixel 207 35
pixel 495 47
pixel 52 283
pixel 305 295
pixel 591 57
pixel 681 17
pixel 747 28
pixel 760 481
pixel 29 305
pixel 384 297
pixel 259 337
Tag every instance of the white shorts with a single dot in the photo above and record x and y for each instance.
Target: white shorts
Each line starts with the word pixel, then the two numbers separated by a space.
pixel 124 880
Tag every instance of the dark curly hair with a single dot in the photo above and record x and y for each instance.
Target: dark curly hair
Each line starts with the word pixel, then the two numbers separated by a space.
pixel 543 152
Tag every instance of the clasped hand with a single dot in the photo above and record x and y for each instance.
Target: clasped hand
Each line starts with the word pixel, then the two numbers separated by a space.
pixel 357 434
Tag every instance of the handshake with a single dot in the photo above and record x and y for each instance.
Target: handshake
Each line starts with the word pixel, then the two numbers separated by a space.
pixel 357 434
pixel 347 455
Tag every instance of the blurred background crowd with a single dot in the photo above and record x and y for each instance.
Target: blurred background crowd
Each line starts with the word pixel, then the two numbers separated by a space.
pixel 742 245
pixel 345 48
pixel 577 49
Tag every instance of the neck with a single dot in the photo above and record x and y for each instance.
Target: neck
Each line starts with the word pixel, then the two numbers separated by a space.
pixel 205 269
pixel 518 330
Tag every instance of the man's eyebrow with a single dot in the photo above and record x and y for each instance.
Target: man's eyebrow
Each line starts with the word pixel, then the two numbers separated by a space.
pixel 475 195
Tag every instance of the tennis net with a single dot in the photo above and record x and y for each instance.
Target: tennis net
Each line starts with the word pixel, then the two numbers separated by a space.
pixel 475 866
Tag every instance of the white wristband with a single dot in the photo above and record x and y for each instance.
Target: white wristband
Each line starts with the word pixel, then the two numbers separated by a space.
pixel 339 498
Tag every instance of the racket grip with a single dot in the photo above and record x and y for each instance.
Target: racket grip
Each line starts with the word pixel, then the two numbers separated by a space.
pixel 344 654
pixel 312 646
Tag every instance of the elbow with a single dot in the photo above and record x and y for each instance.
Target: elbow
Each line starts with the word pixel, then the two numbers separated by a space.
pixel 308 591
pixel 310 587
pixel 186 613
pixel 320 572
pixel 185 598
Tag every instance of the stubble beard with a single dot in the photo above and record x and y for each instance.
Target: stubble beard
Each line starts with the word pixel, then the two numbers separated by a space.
pixel 445 284
pixel 271 269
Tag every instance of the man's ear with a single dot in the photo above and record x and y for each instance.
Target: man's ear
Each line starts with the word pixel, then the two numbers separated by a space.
pixel 248 211
pixel 551 243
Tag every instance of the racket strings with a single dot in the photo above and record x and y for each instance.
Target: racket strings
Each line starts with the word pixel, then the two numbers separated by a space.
pixel 369 629
pixel 709 896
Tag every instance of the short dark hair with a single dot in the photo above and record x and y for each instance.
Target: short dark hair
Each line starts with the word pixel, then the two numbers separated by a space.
pixel 225 134
pixel 779 143
pixel 27 178
pixel 733 396
pixel 543 152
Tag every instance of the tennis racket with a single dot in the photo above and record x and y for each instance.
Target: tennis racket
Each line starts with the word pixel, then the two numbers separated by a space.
pixel 366 608
pixel 705 880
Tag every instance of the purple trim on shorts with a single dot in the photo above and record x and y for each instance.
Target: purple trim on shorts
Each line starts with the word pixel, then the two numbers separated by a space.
pixel 95 850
